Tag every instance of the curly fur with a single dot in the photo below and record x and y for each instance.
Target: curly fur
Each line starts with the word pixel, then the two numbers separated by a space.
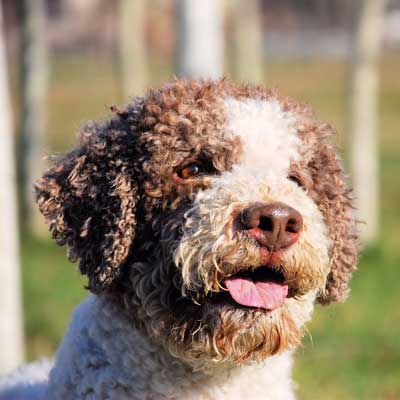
pixel 156 247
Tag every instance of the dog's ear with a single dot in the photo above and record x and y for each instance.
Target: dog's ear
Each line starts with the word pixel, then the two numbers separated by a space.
pixel 333 198
pixel 88 197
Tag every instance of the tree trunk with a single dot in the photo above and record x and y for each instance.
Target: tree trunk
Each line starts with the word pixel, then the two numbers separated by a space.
pixel 364 116
pixel 248 43
pixel 199 52
pixel 11 336
pixel 133 47
pixel 33 105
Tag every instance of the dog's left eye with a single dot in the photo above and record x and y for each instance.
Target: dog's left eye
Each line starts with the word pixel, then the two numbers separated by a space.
pixel 190 171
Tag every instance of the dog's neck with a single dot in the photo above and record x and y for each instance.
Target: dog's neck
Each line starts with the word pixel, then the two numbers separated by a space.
pixel 103 356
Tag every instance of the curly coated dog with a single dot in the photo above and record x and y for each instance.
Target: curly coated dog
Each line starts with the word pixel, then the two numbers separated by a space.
pixel 209 219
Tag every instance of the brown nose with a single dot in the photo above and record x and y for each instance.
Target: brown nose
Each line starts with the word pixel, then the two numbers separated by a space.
pixel 275 226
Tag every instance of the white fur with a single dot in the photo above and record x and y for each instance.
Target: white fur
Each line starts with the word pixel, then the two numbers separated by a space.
pixel 267 132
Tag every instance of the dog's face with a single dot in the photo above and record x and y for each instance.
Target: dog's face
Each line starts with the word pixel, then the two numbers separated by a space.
pixel 216 213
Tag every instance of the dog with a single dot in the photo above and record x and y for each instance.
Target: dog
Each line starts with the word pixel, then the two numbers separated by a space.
pixel 209 217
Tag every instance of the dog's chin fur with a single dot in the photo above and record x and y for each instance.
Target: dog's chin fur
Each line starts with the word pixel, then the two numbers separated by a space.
pixel 217 333
pixel 230 336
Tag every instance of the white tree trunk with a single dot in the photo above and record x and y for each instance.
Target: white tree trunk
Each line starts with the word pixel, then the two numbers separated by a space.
pixel 33 105
pixel 11 336
pixel 364 116
pixel 133 47
pixel 200 38
pixel 248 43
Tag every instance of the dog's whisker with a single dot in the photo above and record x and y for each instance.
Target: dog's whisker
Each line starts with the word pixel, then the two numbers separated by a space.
pixel 309 335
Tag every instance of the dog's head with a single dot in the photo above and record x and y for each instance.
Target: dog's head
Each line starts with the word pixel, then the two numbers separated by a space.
pixel 217 213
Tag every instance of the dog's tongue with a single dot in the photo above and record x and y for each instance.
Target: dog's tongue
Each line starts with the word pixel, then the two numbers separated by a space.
pixel 268 295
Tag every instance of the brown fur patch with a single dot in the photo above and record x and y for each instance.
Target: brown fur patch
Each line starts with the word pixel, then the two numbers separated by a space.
pixel 89 197
pixel 324 178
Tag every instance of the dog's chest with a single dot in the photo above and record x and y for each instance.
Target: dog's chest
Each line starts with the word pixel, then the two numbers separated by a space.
pixel 268 381
pixel 101 357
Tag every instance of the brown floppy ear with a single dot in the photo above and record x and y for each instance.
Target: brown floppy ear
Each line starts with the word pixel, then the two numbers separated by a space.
pixel 333 198
pixel 89 198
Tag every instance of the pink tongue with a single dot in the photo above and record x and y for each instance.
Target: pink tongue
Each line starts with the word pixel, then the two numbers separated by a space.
pixel 268 295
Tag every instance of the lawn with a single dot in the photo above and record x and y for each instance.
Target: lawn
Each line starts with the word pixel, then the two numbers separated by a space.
pixel 352 350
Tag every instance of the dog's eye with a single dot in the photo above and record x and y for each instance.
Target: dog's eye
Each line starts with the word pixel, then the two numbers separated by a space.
pixel 190 171
pixel 296 180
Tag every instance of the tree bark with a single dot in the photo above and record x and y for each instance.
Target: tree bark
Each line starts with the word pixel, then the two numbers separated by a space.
pixel 248 43
pixel 133 47
pixel 364 116
pixel 11 333
pixel 199 52
pixel 33 72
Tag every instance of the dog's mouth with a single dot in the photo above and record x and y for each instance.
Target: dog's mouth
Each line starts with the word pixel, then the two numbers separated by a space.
pixel 264 288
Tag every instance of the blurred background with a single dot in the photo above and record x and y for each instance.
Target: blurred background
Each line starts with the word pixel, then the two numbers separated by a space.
pixel 63 62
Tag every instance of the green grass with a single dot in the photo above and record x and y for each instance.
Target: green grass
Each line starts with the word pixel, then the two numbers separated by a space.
pixel 52 288
pixel 354 352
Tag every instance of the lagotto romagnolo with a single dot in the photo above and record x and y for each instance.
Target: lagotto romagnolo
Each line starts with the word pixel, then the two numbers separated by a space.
pixel 209 218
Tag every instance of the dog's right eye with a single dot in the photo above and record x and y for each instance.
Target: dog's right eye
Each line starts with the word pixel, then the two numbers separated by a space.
pixel 190 171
